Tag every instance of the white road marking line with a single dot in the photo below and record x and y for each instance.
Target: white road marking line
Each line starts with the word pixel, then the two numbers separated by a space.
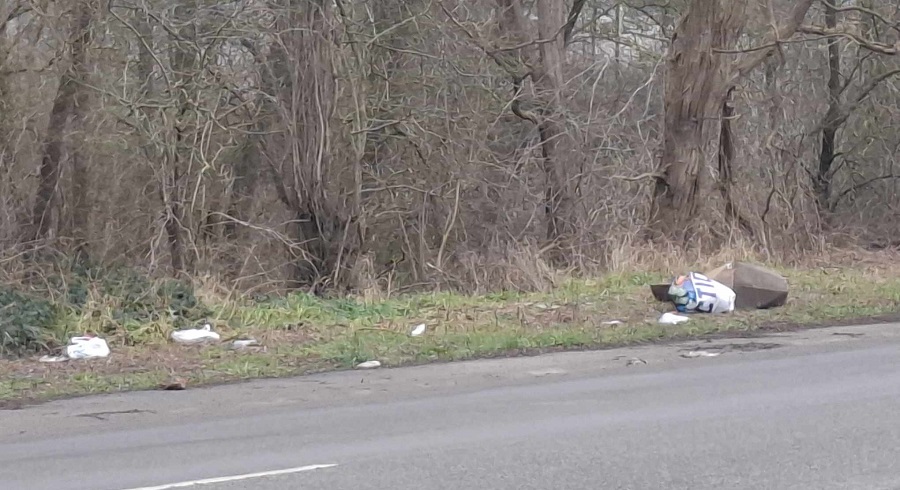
pixel 225 479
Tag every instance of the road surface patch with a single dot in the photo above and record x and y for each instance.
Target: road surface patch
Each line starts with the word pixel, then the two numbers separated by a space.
pixel 226 479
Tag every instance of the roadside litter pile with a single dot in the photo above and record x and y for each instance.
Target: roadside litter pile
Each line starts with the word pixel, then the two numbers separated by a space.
pixel 91 347
pixel 735 285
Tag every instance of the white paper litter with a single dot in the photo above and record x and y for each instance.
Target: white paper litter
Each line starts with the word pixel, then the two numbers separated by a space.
pixel 87 348
pixel 699 353
pixel 368 365
pixel 418 330
pixel 672 319
pixel 195 335
pixel 243 344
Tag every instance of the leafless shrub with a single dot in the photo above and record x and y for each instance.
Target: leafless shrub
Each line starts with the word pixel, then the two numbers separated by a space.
pixel 377 147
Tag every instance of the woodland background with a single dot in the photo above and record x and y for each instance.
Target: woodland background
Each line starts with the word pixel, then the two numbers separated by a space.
pixel 382 146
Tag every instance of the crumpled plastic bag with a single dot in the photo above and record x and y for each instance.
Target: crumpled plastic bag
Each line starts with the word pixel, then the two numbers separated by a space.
pixel 697 293
pixel 672 319
pixel 369 365
pixel 195 335
pixel 87 348
pixel 418 330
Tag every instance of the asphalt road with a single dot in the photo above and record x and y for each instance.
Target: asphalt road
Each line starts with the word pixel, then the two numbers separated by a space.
pixel 811 410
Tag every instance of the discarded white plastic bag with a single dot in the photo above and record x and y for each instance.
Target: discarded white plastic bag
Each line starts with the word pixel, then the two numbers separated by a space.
pixel 696 293
pixel 672 319
pixel 418 330
pixel 369 365
pixel 87 348
pixel 195 335
pixel 243 344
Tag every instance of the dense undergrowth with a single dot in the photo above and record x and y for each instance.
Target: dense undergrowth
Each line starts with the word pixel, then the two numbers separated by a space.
pixel 42 310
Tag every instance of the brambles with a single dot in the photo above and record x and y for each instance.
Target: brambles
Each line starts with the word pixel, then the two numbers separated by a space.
pixel 24 321
pixel 75 299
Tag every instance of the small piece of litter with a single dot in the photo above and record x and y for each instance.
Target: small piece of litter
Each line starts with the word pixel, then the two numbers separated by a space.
pixel 672 319
pixel 699 353
pixel 195 335
pixel 87 348
pixel 612 322
pixel 368 365
pixel 544 306
pixel 53 359
pixel 419 330
pixel 635 360
pixel 243 344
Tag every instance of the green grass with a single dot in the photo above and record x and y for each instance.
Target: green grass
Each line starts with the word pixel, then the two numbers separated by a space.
pixel 304 334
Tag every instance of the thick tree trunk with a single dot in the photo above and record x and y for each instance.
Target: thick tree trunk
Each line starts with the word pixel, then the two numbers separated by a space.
pixel 63 107
pixel 698 80
pixel 699 77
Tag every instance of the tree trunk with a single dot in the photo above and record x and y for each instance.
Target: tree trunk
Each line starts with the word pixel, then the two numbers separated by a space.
pixel 833 119
pixel 174 214
pixel 172 185
pixel 63 107
pixel 545 64
pixel 81 199
pixel 726 173
pixel 548 79
pixel 303 67
pixel 698 81
pixel 6 10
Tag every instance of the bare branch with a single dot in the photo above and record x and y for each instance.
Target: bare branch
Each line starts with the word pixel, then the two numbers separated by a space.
pixel 638 178
pixel 783 32
pixel 855 8
pixel 859 186
pixel 875 46
pixel 874 82
pixel 838 117
pixel 18 11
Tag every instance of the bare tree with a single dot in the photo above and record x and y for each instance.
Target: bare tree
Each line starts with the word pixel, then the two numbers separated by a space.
pixel 301 76
pixel 845 96
pixel 473 145
pixel 541 58
pixel 64 105
pixel 701 69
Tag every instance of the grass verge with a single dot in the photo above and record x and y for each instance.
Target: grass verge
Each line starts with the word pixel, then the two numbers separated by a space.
pixel 302 334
